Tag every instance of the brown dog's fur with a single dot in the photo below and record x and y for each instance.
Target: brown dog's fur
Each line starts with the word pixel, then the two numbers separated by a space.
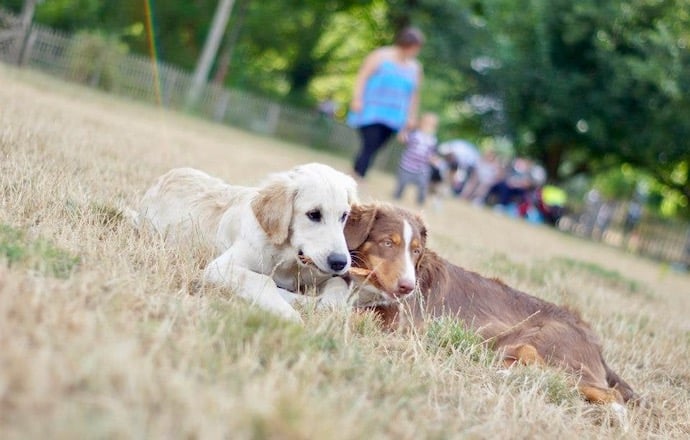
pixel 521 327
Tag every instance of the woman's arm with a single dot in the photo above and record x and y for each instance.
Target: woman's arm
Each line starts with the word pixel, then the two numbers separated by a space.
pixel 369 66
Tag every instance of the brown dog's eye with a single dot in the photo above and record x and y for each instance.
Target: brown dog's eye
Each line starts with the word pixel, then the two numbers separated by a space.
pixel 314 215
pixel 416 251
pixel 387 243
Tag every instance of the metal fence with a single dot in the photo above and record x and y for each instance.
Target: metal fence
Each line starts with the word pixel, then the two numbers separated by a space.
pixel 98 63
pixel 660 239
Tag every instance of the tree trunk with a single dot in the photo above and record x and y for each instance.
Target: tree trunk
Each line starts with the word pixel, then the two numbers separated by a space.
pixel 230 43
pixel 552 158
pixel 208 54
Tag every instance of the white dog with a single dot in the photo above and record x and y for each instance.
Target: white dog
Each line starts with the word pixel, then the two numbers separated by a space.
pixel 282 237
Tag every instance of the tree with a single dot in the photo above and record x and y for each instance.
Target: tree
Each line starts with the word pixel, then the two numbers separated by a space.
pixel 587 84
pixel 282 46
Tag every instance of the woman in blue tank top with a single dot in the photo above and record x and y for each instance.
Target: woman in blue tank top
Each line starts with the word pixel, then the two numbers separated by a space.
pixel 386 95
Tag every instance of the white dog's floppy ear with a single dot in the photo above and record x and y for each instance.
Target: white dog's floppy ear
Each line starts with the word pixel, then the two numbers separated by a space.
pixel 272 207
pixel 351 188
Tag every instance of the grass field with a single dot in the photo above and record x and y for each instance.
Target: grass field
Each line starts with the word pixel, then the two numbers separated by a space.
pixel 99 337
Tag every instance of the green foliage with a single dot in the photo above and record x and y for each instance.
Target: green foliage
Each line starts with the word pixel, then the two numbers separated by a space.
pixel 39 254
pixel 94 59
pixel 593 83
pixel 619 183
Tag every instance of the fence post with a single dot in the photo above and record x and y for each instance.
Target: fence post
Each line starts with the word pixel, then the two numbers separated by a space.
pixel 28 47
pixel 25 20
pixel 168 79
pixel 272 118
pixel 221 107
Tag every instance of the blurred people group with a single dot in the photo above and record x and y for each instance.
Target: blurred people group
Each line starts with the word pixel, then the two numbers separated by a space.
pixel 516 187
pixel 385 102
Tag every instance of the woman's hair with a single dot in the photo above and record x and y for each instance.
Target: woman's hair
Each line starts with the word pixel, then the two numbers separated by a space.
pixel 408 37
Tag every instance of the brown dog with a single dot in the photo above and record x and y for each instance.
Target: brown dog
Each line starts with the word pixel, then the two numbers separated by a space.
pixel 521 327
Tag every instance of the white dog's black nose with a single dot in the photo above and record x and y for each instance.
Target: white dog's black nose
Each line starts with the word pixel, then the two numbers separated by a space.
pixel 337 262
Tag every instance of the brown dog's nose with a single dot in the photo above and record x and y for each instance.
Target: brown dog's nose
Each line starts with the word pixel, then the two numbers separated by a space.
pixel 405 286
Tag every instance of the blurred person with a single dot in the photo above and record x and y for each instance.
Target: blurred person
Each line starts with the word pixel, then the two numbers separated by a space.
pixel 416 160
pixel 386 95
pixel 461 157
pixel 633 215
pixel 551 202
pixel 323 125
pixel 593 202
pixel 603 219
pixel 487 172
pixel 517 183
pixel 530 204
pixel 328 107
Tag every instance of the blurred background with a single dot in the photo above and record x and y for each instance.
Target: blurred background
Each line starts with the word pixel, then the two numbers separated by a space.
pixel 584 106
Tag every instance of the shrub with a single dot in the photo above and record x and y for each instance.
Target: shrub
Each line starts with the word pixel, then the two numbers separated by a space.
pixel 94 58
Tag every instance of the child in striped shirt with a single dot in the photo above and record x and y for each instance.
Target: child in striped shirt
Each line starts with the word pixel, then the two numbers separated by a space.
pixel 415 162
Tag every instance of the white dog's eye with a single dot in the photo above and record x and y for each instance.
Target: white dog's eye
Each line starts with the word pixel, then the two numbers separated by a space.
pixel 314 215
pixel 343 217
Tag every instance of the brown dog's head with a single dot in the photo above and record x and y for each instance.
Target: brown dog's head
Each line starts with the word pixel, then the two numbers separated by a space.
pixel 386 244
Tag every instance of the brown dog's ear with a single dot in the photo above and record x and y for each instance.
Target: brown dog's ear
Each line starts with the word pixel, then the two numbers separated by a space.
pixel 359 224
pixel 417 222
pixel 421 227
pixel 272 207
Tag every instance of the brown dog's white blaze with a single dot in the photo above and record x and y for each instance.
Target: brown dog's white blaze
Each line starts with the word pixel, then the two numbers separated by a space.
pixel 385 249
pixel 407 282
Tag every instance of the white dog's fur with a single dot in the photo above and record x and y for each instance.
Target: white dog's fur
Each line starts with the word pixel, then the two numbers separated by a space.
pixel 268 241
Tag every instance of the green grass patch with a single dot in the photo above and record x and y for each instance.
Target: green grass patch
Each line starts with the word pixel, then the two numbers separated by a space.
pixel 607 276
pixel 236 327
pixel 538 273
pixel 450 335
pixel 501 264
pixel 38 254
pixel 556 386
pixel 558 389
pixel 106 215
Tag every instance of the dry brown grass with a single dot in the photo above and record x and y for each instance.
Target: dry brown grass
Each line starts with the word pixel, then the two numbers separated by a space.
pixel 113 345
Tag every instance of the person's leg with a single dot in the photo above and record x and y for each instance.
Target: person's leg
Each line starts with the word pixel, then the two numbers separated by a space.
pixel 400 186
pixel 422 187
pixel 404 178
pixel 373 136
pixel 469 187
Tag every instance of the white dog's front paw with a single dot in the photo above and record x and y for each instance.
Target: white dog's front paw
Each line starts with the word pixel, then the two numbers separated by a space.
pixel 335 295
pixel 286 312
pixel 333 301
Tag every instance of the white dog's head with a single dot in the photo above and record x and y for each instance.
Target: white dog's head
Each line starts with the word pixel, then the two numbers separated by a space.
pixel 306 209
